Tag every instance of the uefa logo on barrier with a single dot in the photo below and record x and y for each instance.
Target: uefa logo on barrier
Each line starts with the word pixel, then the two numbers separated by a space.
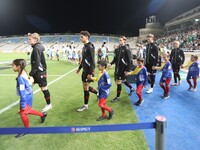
pixel 80 129
pixel 73 130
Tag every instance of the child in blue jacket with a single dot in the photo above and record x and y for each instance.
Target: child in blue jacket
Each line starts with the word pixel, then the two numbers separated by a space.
pixel 166 77
pixel 142 79
pixel 193 72
pixel 104 84
pixel 24 90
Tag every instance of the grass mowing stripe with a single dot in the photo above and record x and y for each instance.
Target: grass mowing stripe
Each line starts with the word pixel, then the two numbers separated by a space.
pixel 15 103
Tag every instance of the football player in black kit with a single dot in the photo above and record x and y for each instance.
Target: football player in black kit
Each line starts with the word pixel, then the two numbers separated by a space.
pixel 39 67
pixel 122 61
pixel 88 65
pixel 151 60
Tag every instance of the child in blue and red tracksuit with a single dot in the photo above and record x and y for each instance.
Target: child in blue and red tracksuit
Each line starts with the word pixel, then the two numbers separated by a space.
pixel 104 84
pixel 24 90
pixel 142 79
pixel 166 77
pixel 193 72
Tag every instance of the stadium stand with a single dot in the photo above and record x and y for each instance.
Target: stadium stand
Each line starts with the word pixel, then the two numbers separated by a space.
pixel 19 44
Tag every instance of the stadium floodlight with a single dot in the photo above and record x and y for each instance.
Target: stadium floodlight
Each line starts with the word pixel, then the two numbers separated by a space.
pixel 196 20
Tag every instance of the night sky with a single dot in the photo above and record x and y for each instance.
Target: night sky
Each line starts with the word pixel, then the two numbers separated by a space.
pixel 72 16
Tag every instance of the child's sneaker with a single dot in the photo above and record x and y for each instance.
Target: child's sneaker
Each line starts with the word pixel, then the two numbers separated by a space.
pixel 139 102
pixel 166 96
pixel 193 90
pixel 43 117
pixel 101 118
pixel 111 114
pixel 20 135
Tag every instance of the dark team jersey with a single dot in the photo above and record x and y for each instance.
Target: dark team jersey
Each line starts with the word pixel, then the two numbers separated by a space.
pixel 122 58
pixel 38 63
pixel 88 58
pixel 177 57
pixel 151 55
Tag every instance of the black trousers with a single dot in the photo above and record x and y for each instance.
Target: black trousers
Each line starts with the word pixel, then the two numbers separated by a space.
pixel 176 69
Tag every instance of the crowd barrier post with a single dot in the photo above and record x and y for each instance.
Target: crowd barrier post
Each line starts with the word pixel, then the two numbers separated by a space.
pixel 161 125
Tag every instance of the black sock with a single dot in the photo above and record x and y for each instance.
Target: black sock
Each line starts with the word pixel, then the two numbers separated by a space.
pixel 47 96
pixel 179 78
pixel 86 97
pixel 152 80
pixel 119 88
pixel 91 89
pixel 128 84
pixel 175 77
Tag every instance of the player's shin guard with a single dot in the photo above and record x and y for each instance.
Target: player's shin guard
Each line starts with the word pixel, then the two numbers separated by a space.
pixel 178 76
pixel 91 89
pixel 128 84
pixel 119 88
pixel 47 96
pixel 175 77
pixel 152 80
pixel 86 97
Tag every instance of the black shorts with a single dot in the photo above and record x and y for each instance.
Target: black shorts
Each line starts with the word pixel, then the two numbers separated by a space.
pixel 150 71
pixel 176 68
pixel 120 75
pixel 84 76
pixel 40 78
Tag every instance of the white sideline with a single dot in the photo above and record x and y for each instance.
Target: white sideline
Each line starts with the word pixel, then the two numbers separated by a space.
pixel 6 75
pixel 15 103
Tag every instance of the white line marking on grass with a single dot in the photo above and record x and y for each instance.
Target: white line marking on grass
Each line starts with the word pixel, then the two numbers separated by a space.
pixel 6 62
pixel 2 75
pixel 15 103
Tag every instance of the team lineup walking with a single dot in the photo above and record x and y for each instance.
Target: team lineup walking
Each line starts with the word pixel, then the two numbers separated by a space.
pixel 144 69
pixel 98 75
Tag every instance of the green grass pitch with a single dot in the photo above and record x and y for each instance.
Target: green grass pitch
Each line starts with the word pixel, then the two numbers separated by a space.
pixel 66 96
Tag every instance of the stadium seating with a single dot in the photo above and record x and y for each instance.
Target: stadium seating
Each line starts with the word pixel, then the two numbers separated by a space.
pixel 20 44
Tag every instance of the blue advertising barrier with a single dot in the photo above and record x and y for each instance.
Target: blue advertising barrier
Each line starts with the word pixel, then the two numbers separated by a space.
pixel 159 127
pixel 78 129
